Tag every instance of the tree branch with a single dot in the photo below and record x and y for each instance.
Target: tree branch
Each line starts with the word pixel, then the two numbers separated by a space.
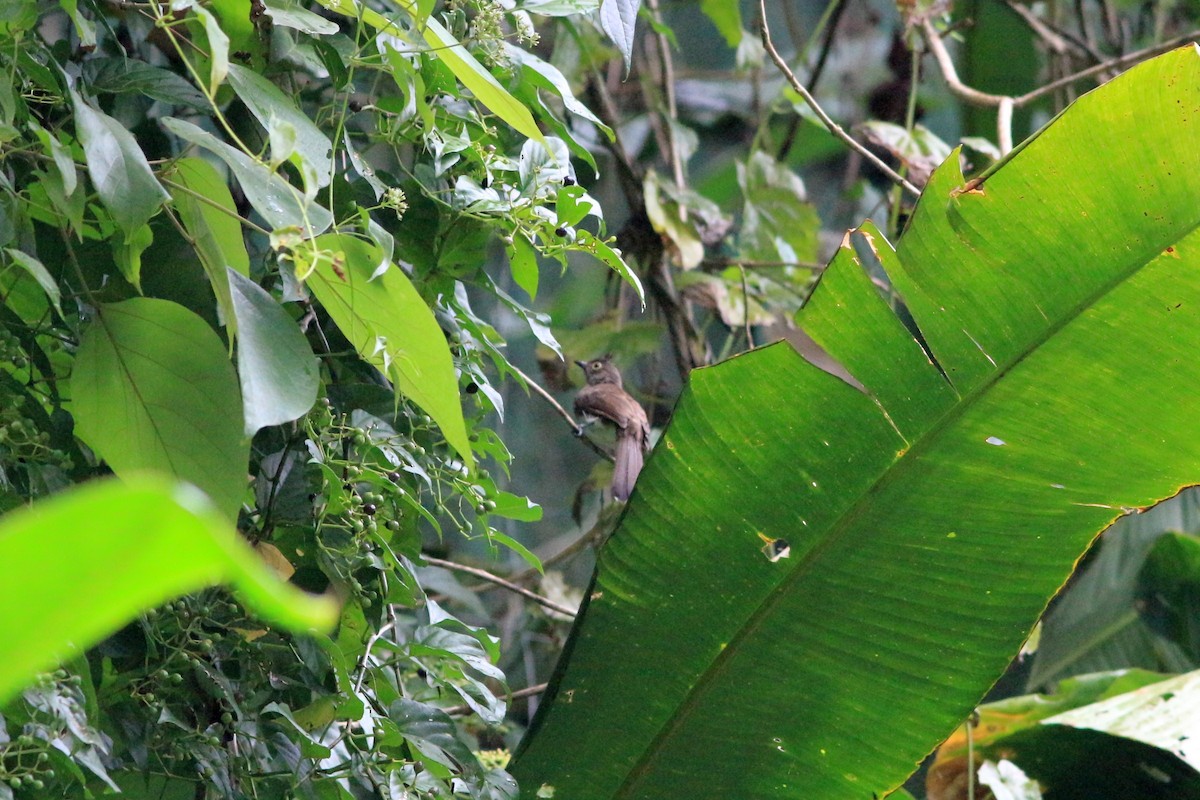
pixel 483 574
pixel 826 120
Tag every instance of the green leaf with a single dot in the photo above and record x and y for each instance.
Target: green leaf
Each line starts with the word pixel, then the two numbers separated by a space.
pixel 727 17
pixel 271 107
pixel 129 76
pixel 522 260
pixel 218 48
pixel 547 76
pixel 928 521
pixel 277 368
pixel 291 14
pixel 75 568
pixel 601 250
pixel 380 312
pixel 119 170
pixel 469 71
pixel 280 204
pixel 61 155
pixel 210 217
pixel 515 507
pixel 618 18
pixel 153 390
pixel 38 272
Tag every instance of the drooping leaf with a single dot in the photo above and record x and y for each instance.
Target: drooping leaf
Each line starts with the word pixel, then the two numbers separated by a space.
pixel 129 76
pixel 601 250
pixel 618 18
pixel 522 260
pixel 218 48
pixel 913 533
pixel 207 211
pixel 271 107
pixel 280 204
pixel 120 548
pixel 276 367
pixel 118 168
pixel 153 390
pixel 37 271
pixel 380 312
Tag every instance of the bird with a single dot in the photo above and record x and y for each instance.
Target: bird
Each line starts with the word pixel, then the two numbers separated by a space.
pixel 604 398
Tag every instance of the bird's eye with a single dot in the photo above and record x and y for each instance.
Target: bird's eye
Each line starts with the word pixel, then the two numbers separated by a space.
pixel 595 366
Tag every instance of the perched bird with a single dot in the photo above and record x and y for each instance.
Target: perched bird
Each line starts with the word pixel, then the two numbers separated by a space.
pixel 605 398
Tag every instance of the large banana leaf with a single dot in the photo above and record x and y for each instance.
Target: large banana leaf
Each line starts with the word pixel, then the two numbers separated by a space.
pixel 930 520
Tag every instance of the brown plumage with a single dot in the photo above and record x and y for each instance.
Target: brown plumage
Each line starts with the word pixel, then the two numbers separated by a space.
pixel 605 398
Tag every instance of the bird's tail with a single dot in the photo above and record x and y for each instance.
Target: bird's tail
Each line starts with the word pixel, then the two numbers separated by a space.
pixel 628 464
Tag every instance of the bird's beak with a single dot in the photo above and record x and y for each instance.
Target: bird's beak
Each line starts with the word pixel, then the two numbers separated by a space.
pixel 582 364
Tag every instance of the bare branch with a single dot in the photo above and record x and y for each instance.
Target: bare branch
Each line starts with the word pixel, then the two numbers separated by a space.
pixel 483 574
pixel 528 691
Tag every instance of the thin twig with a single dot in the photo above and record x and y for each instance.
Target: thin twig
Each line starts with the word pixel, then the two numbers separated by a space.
pixel 976 97
pixel 528 691
pixel 576 428
pixel 668 86
pixel 826 120
pixel 483 574
pixel 1056 38
pixel 1112 63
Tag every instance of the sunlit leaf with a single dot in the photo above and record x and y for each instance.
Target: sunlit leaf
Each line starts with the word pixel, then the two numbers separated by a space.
pixel 378 309
pixel 75 568
pixel 929 518
pixel 207 211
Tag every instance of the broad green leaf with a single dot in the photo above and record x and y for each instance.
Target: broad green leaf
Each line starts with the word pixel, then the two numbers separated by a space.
pixel 210 217
pixel 522 260
pixel 380 312
pixel 280 204
pixel 277 368
pixel 153 390
pixel 119 170
pixel 618 18
pixel 129 76
pixel 37 271
pixel 270 107
pixel 75 568
pixel 465 67
pixel 842 567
